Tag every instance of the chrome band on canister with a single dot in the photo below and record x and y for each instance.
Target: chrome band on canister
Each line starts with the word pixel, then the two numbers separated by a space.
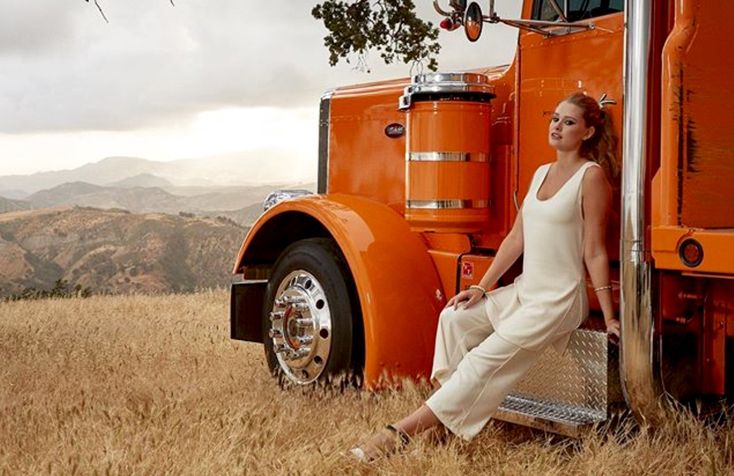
pixel 443 204
pixel 448 157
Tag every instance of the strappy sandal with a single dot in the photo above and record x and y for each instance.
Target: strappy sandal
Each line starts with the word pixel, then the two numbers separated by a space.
pixel 401 441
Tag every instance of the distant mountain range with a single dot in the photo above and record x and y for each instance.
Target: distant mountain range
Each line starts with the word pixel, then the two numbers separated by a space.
pixel 115 251
pixel 217 171
pixel 115 183
pixel 129 225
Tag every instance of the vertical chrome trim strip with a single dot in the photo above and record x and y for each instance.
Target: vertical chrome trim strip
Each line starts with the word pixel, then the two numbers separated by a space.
pixel 640 347
pixel 324 120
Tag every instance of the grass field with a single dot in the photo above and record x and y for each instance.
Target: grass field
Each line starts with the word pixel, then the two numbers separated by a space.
pixel 152 384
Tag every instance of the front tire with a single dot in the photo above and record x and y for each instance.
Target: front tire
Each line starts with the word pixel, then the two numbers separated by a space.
pixel 311 318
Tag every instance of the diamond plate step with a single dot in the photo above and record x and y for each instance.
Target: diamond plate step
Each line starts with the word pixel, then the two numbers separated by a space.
pixel 564 394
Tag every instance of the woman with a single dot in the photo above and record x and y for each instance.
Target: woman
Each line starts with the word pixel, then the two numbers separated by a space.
pixel 487 341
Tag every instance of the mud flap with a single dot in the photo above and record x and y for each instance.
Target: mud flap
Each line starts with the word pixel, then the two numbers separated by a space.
pixel 245 310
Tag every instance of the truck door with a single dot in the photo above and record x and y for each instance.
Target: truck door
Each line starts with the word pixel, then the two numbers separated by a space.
pixel 561 62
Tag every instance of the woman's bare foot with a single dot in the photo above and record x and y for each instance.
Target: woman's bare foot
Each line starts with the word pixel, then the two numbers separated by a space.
pixel 396 436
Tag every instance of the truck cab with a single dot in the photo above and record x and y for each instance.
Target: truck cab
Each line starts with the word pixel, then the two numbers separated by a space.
pixel 420 179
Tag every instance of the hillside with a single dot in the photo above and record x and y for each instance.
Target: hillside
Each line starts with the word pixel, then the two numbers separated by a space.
pixel 243 204
pixel 142 180
pixel 138 199
pixel 114 250
pixel 9 205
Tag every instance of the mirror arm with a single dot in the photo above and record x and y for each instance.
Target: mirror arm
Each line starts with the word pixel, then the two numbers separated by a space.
pixel 535 25
pixel 578 26
pixel 558 10
pixel 442 12
pixel 522 26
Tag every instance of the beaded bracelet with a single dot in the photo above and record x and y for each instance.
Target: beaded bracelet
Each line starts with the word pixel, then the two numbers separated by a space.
pixel 602 288
pixel 476 286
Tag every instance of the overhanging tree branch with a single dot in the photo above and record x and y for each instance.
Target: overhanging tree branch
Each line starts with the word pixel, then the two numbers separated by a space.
pixel 101 12
pixel 390 27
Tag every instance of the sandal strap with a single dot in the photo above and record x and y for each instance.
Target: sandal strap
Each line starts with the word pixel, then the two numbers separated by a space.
pixel 404 437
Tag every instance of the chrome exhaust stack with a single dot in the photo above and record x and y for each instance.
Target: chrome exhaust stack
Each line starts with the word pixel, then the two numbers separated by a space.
pixel 641 348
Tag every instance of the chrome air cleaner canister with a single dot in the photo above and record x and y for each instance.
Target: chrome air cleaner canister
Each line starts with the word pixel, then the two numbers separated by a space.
pixel 447 152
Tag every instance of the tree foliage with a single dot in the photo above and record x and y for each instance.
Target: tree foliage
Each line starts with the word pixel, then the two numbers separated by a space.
pixel 389 26
pixel 61 289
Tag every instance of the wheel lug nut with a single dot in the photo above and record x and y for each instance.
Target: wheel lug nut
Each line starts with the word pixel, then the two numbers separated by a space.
pixel 305 340
pixel 279 348
pixel 276 315
pixel 304 322
pixel 274 333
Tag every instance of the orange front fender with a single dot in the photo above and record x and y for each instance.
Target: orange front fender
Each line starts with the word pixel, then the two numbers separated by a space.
pixel 399 288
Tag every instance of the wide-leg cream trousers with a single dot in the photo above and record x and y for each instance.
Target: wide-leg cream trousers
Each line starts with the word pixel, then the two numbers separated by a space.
pixel 475 367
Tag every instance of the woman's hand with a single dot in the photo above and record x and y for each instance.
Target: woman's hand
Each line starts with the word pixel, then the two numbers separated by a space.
pixel 612 329
pixel 468 296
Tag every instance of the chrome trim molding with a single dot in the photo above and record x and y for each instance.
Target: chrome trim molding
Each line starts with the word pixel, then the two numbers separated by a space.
pixel 640 348
pixel 443 204
pixel 446 83
pixel 278 196
pixel 447 157
pixel 324 119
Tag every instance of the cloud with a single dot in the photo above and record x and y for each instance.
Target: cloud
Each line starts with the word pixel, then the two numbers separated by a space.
pixel 28 29
pixel 154 65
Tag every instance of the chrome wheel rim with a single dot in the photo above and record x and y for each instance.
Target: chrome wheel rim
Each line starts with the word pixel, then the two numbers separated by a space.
pixel 300 327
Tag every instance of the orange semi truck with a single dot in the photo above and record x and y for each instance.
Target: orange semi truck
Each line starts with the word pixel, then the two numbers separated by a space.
pixel 420 179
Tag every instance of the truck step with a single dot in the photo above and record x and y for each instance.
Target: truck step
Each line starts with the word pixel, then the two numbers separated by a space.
pixel 564 394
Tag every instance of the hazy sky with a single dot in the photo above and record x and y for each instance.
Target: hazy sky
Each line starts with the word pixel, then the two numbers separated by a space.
pixel 163 83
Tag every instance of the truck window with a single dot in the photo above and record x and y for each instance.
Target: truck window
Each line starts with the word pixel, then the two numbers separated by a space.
pixel 577 9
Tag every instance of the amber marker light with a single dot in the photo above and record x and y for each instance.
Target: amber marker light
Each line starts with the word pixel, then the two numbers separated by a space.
pixel 690 252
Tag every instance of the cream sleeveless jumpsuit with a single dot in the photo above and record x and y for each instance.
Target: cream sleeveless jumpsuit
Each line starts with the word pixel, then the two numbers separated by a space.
pixel 482 352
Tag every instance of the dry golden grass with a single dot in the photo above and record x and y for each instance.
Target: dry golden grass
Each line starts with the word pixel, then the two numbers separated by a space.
pixel 154 385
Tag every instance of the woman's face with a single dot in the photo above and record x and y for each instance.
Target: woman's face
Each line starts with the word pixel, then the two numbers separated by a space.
pixel 567 129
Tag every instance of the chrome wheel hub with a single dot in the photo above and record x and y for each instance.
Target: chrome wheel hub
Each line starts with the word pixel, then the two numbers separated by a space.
pixel 300 327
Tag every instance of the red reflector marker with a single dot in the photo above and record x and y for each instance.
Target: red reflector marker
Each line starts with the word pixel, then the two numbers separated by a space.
pixel 690 252
pixel 447 24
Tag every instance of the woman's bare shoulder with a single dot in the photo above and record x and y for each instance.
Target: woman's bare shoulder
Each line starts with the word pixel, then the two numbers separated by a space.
pixel 595 186
pixel 595 177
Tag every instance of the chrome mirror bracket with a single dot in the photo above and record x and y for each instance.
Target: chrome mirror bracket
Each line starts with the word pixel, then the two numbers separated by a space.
pixel 542 27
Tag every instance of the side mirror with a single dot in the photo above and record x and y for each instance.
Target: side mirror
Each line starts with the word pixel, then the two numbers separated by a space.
pixel 473 22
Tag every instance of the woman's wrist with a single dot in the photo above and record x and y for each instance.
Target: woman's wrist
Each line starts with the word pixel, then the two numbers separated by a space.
pixel 478 288
pixel 608 319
